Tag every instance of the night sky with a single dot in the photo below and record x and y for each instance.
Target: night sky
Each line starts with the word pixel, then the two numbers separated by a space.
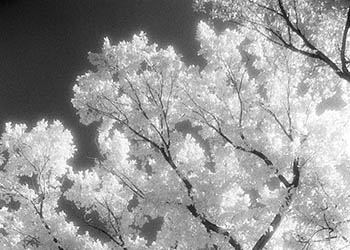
pixel 44 46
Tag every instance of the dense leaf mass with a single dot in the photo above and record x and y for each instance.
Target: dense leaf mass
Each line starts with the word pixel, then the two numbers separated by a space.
pixel 265 165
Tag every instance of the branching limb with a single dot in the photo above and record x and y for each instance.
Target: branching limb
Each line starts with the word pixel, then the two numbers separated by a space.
pixel 126 181
pixel 290 186
pixel 288 134
pixel 264 239
pixel 104 232
pixel 238 87
pixel 210 226
pixel 217 128
pixel 163 147
pixel 39 212
pixel 316 53
pixel 114 223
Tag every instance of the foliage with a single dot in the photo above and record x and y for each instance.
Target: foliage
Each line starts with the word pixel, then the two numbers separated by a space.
pixel 263 167
pixel 316 29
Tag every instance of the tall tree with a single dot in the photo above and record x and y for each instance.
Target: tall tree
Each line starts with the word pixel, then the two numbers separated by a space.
pixel 261 168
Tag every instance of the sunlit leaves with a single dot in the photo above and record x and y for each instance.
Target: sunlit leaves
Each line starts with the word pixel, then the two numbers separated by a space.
pixel 262 166
pixel 257 108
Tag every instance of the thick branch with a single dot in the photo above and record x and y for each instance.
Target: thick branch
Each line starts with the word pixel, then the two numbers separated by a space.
pixel 263 157
pixel 167 156
pixel 268 234
pixel 264 239
pixel 316 52
pixel 343 45
pixel 210 227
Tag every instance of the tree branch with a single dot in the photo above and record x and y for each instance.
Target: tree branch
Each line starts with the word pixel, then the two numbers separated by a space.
pixel 218 130
pixel 106 234
pixel 278 122
pixel 260 244
pixel 316 52
pixel 192 208
pixel 46 226
pixel 164 150
pixel 343 45
pixel 264 239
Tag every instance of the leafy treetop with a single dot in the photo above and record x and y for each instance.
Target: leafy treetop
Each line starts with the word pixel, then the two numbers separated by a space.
pixel 264 168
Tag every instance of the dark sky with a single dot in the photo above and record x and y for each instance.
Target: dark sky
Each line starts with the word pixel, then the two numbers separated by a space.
pixel 44 45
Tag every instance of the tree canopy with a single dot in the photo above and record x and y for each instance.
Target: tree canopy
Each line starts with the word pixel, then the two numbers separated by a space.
pixel 264 165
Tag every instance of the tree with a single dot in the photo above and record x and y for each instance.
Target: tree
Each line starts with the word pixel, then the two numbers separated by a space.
pixel 262 167
pixel 316 29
